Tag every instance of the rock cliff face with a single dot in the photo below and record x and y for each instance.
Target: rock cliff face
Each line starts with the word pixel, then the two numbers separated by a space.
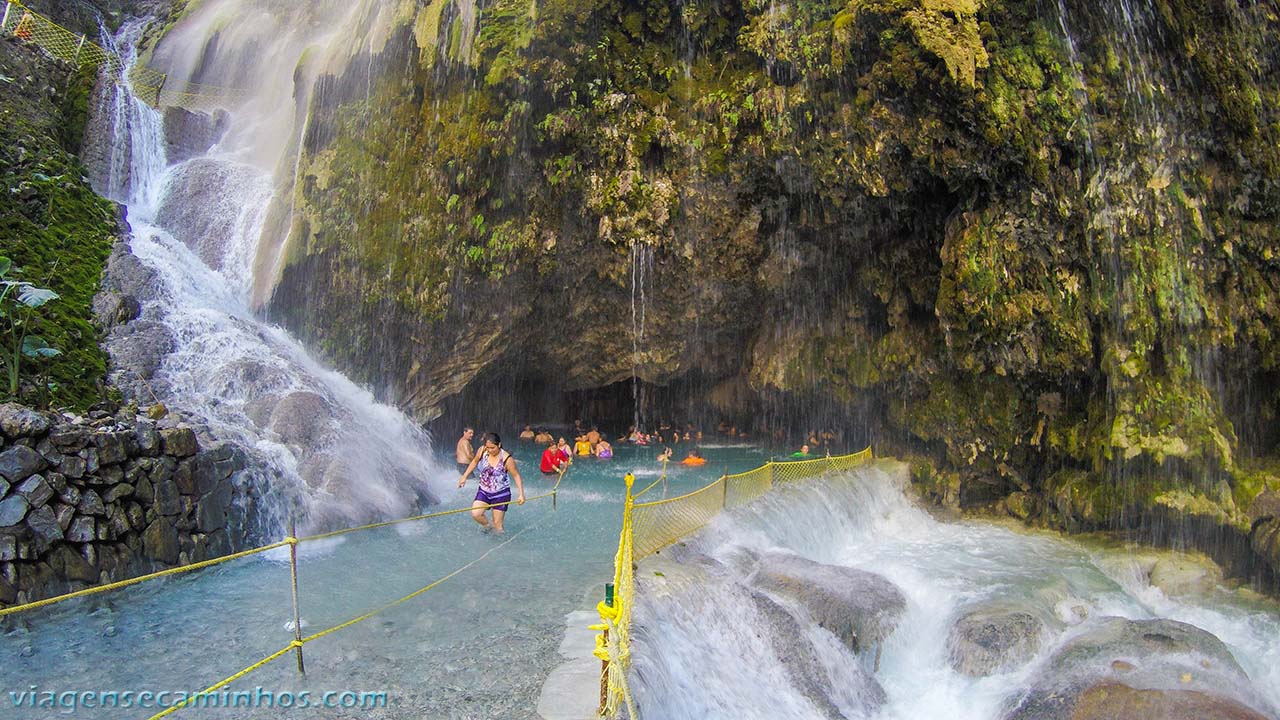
pixel 1034 243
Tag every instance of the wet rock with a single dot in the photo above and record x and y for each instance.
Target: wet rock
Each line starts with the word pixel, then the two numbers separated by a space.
pixel 168 501
pixel 73 466
pixel 1264 540
pixel 211 512
pixel 804 669
pixel 1163 656
pixel 137 349
pixel 1023 506
pixel 859 607
pixel 111 447
pixel 160 541
pixel 179 441
pixel 69 564
pixel 990 640
pixel 18 421
pixel 112 309
pixel 19 463
pixel 1184 574
pixel 302 418
pixel 146 438
pixel 1114 701
pixel 1266 505
pixel 69 438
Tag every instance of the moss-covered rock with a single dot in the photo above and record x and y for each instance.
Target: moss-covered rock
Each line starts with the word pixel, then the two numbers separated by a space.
pixel 52 224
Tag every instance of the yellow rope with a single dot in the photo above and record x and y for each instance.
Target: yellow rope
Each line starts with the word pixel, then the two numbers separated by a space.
pixel 223 683
pixel 661 477
pixel 347 624
pixel 428 516
pixel 245 553
pixel 413 594
pixel 142 578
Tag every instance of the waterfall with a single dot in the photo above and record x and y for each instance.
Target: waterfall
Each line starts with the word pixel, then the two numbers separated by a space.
pixel 326 451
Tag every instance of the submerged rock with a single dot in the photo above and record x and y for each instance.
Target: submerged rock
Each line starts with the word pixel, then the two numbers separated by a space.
pixel 1118 666
pixel 805 669
pixel 859 607
pixel 989 640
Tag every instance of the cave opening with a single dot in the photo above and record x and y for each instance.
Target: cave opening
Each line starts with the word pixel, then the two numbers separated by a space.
pixel 723 410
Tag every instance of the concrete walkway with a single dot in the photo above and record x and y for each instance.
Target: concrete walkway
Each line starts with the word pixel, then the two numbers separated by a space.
pixel 572 691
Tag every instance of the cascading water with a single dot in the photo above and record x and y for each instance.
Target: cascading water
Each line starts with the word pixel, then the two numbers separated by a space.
pixel 328 452
pixel 706 645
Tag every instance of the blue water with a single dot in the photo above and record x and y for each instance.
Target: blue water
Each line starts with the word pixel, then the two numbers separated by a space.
pixel 478 646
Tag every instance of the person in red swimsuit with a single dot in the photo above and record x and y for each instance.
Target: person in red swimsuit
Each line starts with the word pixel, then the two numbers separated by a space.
pixel 552 460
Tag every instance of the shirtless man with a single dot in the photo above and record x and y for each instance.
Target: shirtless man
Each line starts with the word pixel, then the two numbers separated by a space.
pixel 464 452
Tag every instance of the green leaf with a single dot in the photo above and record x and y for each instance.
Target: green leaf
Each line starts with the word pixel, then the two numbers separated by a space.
pixel 35 346
pixel 32 296
pixel 5 265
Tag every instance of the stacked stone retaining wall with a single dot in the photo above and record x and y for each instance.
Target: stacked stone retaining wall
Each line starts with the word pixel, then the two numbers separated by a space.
pixel 99 499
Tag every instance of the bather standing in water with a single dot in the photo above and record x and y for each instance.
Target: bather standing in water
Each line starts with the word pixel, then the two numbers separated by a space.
pixel 497 470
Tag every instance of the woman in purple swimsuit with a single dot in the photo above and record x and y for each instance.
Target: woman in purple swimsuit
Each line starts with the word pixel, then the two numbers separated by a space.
pixel 496 470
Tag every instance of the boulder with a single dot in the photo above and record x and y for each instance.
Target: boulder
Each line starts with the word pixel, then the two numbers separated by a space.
pixel 1114 701
pixel 1166 657
pixel 111 446
pixel 990 640
pixel 302 418
pixel 91 504
pixel 1266 505
pixel 18 421
pixel 805 670
pixel 83 529
pixel 859 607
pixel 69 564
pixel 44 526
pixel 69 438
pixel 1184 574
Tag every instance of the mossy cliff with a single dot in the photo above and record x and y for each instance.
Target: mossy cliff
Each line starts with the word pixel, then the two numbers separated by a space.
pixel 52 224
pixel 1043 259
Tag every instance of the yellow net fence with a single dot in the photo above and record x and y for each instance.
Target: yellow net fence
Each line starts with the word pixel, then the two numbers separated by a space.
pixel 650 526
pixel 149 85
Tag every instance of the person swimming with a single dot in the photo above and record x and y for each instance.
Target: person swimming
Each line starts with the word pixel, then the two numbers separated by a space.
pixel 603 449
pixel 694 458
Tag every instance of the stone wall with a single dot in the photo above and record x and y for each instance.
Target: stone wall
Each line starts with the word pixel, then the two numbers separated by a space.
pixel 96 499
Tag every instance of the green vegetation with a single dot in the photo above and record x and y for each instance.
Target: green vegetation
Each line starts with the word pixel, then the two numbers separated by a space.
pixel 59 232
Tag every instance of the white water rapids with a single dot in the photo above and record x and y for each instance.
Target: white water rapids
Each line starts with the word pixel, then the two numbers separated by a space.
pixel 703 650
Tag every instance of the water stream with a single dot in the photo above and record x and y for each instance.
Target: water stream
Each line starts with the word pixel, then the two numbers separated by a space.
pixel 709 653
